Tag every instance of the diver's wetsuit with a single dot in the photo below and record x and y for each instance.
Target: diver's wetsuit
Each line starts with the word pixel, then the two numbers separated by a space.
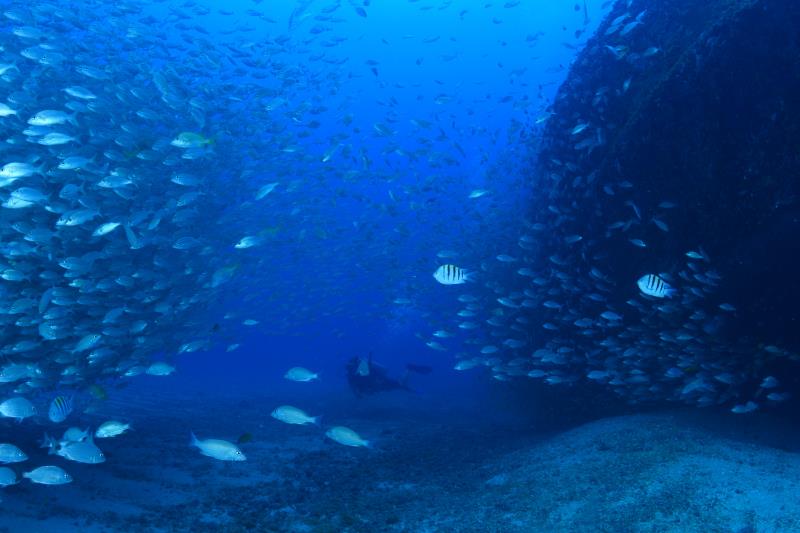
pixel 366 377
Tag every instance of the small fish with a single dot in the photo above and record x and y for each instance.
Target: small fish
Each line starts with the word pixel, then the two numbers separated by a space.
pixel 727 307
pixel 188 139
pixel 11 454
pixel 674 373
pixel 247 242
pixel 653 50
pixel 347 437
pixel 598 375
pixel 81 452
pixel 635 208
pixel 580 127
pixel 55 139
pixel 330 152
pixel 660 224
pixel 218 449
pixel 618 51
pixel 74 434
pixel 17 407
pixel 76 217
pixel 298 373
pixel 508 302
pixel 696 255
pixel 87 342
pixel 265 190
pixel 48 475
pixel 451 275
pixel 77 91
pixel 544 117
pixel 6 111
pixel 778 396
pixel 749 407
pixel 111 428
pixel 19 170
pixel 477 193
pixel 769 382
pixel 105 229
pixel 638 243
pixel 160 369
pixel 60 408
pixel 654 286
pixel 51 117
pixel 293 415
pixel 466 364
pixel 7 477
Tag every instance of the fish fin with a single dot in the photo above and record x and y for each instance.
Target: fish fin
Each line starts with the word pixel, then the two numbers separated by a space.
pixel 193 439
pixel 72 119
pixel 47 442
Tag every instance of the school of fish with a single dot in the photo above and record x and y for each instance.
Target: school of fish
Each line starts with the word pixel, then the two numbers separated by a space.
pixel 152 175
pixel 564 306
pixel 156 168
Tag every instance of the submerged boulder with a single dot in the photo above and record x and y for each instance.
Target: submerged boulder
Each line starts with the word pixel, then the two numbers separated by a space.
pixel 678 130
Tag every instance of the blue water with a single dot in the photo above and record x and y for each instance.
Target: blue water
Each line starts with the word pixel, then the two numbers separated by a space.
pixel 245 187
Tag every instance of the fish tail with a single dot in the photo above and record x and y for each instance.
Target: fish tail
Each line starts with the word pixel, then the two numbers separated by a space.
pixel 192 439
pixel 317 420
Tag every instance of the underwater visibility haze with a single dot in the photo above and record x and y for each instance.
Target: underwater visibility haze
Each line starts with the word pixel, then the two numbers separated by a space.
pixel 401 266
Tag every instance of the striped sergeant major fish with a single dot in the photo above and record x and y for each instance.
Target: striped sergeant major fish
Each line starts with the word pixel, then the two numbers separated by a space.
pixel 60 408
pixel 654 286
pixel 451 275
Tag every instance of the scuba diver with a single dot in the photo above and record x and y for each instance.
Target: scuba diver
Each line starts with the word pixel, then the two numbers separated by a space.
pixel 366 377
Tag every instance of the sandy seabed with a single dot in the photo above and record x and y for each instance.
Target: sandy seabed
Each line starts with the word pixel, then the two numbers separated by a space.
pixel 676 471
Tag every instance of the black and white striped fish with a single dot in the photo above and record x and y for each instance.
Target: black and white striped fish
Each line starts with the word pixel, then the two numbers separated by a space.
pixel 654 286
pixel 60 408
pixel 451 275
